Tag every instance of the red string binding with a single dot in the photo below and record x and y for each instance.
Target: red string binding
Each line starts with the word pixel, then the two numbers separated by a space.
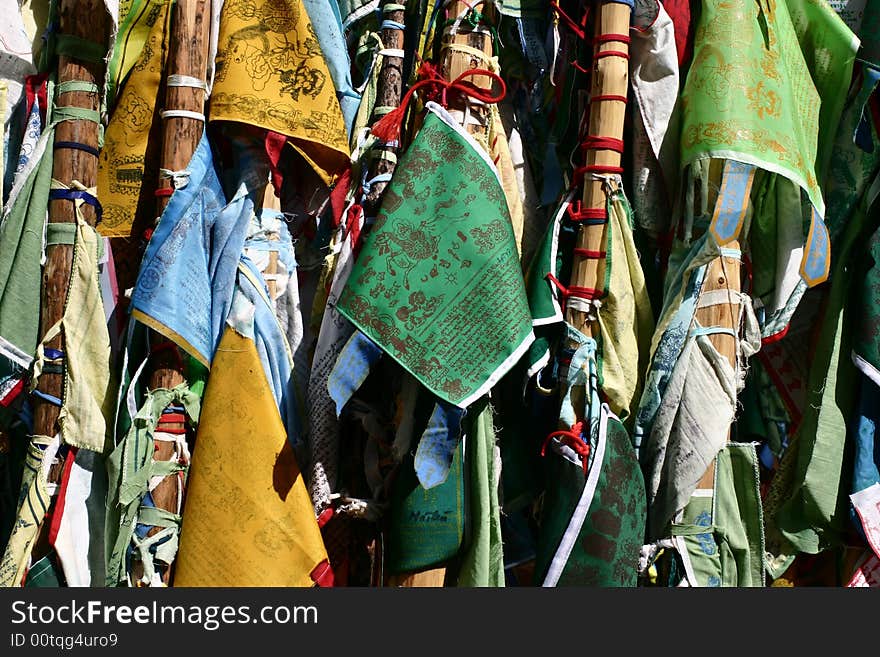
pixel 388 127
pixel 602 143
pixel 172 418
pixel 577 212
pixel 611 53
pixel 579 30
pixel 591 255
pixel 577 65
pixel 594 168
pixel 621 99
pixel 575 291
pixel 605 38
pixel 573 439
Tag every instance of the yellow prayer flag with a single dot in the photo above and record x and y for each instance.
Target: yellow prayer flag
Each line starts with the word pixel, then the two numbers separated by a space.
pixel 128 167
pixel 248 519
pixel 271 73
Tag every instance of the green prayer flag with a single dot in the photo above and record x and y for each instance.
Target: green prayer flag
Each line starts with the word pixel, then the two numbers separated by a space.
pixel 438 285
pixel 21 248
pixel 767 86
pixel 483 561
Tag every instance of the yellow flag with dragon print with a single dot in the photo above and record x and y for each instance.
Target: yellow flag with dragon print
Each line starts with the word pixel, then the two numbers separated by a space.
pixel 271 73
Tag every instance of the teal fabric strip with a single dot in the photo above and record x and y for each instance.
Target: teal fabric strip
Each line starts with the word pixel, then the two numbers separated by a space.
pixel 76 114
pixel 60 233
pixel 76 47
pixel 76 85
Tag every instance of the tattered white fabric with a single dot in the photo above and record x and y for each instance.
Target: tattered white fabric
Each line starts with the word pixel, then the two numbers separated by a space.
pixel 78 533
pixel 685 438
pixel 654 75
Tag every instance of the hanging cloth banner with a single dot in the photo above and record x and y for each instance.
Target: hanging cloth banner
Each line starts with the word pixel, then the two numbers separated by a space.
pixel 322 435
pixel 784 118
pixel 625 317
pixel 271 73
pixel 253 316
pixel 249 519
pixel 594 517
pixel 482 562
pixel 35 499
pixel 130 157
pixel 439 286
pixel 21 248
pixel 77 529
pixel 134 36
pixel 132 475
pixel 16 59
pixel 807 497
pixel 327 27
pixel 426 527
pixel 181 292
pixel 87 398
pixel 719 535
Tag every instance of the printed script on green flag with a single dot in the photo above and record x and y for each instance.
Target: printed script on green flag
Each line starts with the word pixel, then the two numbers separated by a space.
pixel 438 285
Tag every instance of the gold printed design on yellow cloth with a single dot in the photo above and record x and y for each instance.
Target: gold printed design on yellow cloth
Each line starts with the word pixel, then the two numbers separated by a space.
pixel 248 519
pixel 36 496
pixel 271 73
pixel 130 158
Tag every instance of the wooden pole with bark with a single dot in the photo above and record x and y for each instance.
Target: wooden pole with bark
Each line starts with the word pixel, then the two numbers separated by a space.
pixel 475 115
pixel 454 62
pixel 188 55
pixel 388 95
pixel 86 19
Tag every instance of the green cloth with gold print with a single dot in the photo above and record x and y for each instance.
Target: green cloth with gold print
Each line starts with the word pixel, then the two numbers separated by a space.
pixel 767 86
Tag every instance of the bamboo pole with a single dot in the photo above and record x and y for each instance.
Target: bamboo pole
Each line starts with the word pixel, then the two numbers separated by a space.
pixel 86 19
pixel 188 55
pixel 610 79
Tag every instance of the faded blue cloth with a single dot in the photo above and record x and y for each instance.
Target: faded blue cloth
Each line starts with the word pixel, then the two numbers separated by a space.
pixel 438 443
pixel 272 220
pixel 866 462
pixel 185 285
pixel 327 23
pixel 351 369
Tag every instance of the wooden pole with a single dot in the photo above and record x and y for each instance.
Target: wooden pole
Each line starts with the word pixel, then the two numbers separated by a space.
pixel 723 273
pixel 86 19
pixel 188 55
pixel 454 63
pixel 389 92
pixel 272 202
pixel 607 110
